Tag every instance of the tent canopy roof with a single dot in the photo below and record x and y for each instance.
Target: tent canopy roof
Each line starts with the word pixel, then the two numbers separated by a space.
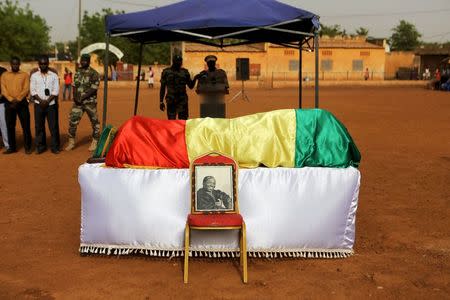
pixel 213 20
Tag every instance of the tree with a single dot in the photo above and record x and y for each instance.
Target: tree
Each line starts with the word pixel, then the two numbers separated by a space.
pixel 93 31
pixel 405 37
pixel 23 33
pixel 361 31
pixel 331 31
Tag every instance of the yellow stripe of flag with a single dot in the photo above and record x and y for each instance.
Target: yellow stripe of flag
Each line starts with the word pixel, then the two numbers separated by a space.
pixel 266 138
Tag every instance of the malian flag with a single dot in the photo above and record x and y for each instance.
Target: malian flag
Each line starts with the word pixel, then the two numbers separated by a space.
pixel 281 138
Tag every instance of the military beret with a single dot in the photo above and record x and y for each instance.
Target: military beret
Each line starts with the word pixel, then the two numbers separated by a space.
pixel 85 57
pixel 211 58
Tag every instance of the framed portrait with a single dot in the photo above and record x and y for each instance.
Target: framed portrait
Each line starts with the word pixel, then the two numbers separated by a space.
pixel 214 185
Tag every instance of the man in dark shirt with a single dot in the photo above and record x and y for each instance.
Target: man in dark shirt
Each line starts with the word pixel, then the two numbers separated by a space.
pixel 210 199
pixel 175 79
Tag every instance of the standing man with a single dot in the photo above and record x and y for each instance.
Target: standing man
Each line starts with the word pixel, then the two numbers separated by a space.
pixel 44 90
pixel 3 128
pixel 366 74
pixel 86 82
pixel 212 86
pixel 15 88
pixel 67 84
pixel 175 79
pixel 151 75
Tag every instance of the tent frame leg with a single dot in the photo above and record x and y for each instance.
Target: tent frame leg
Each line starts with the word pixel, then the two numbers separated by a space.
pixel 138 80
pixel 300 79
pixel 316 79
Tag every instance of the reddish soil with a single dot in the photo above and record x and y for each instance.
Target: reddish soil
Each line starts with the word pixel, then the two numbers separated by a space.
pixel 402 245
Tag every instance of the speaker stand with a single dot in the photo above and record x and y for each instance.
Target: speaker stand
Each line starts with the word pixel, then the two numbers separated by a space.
pixel 240 93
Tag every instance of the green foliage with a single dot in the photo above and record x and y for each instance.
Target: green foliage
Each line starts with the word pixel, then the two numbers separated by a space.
pixel 361 31
pixel 405 37
pixel 23 33
pixel 93 31
pixel 331 31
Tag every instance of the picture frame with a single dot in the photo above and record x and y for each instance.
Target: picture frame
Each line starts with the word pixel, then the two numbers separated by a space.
pixel 214 184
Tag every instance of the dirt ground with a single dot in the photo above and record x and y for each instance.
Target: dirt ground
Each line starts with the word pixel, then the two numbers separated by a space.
pixel 402 245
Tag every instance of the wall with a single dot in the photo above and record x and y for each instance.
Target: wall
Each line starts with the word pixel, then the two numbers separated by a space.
pixel 342 63
pixel 399 59
pixel 280 64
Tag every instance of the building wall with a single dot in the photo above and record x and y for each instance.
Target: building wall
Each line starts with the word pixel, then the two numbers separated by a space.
pixel 195 62
pixel 279 63
pixel 399 59
pixel 340 61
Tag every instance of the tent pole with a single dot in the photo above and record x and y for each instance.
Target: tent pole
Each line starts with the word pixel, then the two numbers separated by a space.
pixel 316 50
pixel 138 81
pixel 300 74
pixel 105 80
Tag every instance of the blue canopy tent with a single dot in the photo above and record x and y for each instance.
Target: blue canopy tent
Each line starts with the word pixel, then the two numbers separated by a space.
pixel 218 23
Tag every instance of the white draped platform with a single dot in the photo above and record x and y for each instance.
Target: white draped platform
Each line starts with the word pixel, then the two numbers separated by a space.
pixel 289 212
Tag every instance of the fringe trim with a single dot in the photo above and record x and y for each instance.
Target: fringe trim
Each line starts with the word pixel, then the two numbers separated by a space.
pixel 305 253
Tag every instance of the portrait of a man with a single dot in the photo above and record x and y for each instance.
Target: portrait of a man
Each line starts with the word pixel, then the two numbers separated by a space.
pixel 208 198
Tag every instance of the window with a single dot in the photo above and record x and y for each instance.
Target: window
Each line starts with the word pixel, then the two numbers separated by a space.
pixel 357 65
pixel 326 65
pixel 289 52
pixel 327 52
pixel 293 65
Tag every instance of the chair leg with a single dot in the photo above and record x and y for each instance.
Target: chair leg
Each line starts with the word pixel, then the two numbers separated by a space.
pixel 244 252
pixel 241 242
pixel 186 252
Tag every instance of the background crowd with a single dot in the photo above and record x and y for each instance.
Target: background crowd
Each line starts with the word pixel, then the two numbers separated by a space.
pixel 41 88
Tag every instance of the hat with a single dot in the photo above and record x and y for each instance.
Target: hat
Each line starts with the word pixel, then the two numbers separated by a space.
pixel 211 58
pixel 85 57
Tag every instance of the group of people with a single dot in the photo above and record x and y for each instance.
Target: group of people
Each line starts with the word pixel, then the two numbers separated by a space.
pixel 440 81
pixel 212 86
pixel 41 88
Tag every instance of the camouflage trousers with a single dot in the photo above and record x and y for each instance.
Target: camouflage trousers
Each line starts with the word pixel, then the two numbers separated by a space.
pixel 177 105
pixel 75 116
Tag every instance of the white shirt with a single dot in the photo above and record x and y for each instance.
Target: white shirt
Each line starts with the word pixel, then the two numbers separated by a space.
pixel 39 82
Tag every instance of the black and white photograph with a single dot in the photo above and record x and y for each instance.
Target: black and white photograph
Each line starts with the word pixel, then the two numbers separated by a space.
pixel 214 188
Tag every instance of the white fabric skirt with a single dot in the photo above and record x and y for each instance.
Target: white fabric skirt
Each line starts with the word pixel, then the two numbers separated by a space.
pixel 289 212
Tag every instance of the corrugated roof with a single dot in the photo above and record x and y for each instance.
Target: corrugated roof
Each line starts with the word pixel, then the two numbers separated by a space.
pixel 433 51
pixel 193 47
pixel 343 43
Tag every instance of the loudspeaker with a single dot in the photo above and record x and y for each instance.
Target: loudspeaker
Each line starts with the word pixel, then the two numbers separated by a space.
pixel 242 69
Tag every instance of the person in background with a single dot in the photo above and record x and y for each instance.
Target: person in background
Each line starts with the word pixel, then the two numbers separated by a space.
pixel 151 80
pixel 437 79
pixel 114 75
pixel 67 84
pixel 427 74
pixel 3 128
pixel 175 79
pixel 212 86
pixel 15 86
pixel 44 91
pixel 366 74
pixel 86 82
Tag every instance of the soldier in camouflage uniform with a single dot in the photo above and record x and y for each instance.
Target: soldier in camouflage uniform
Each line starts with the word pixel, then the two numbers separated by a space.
pixel 175 79
pixel 86 82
